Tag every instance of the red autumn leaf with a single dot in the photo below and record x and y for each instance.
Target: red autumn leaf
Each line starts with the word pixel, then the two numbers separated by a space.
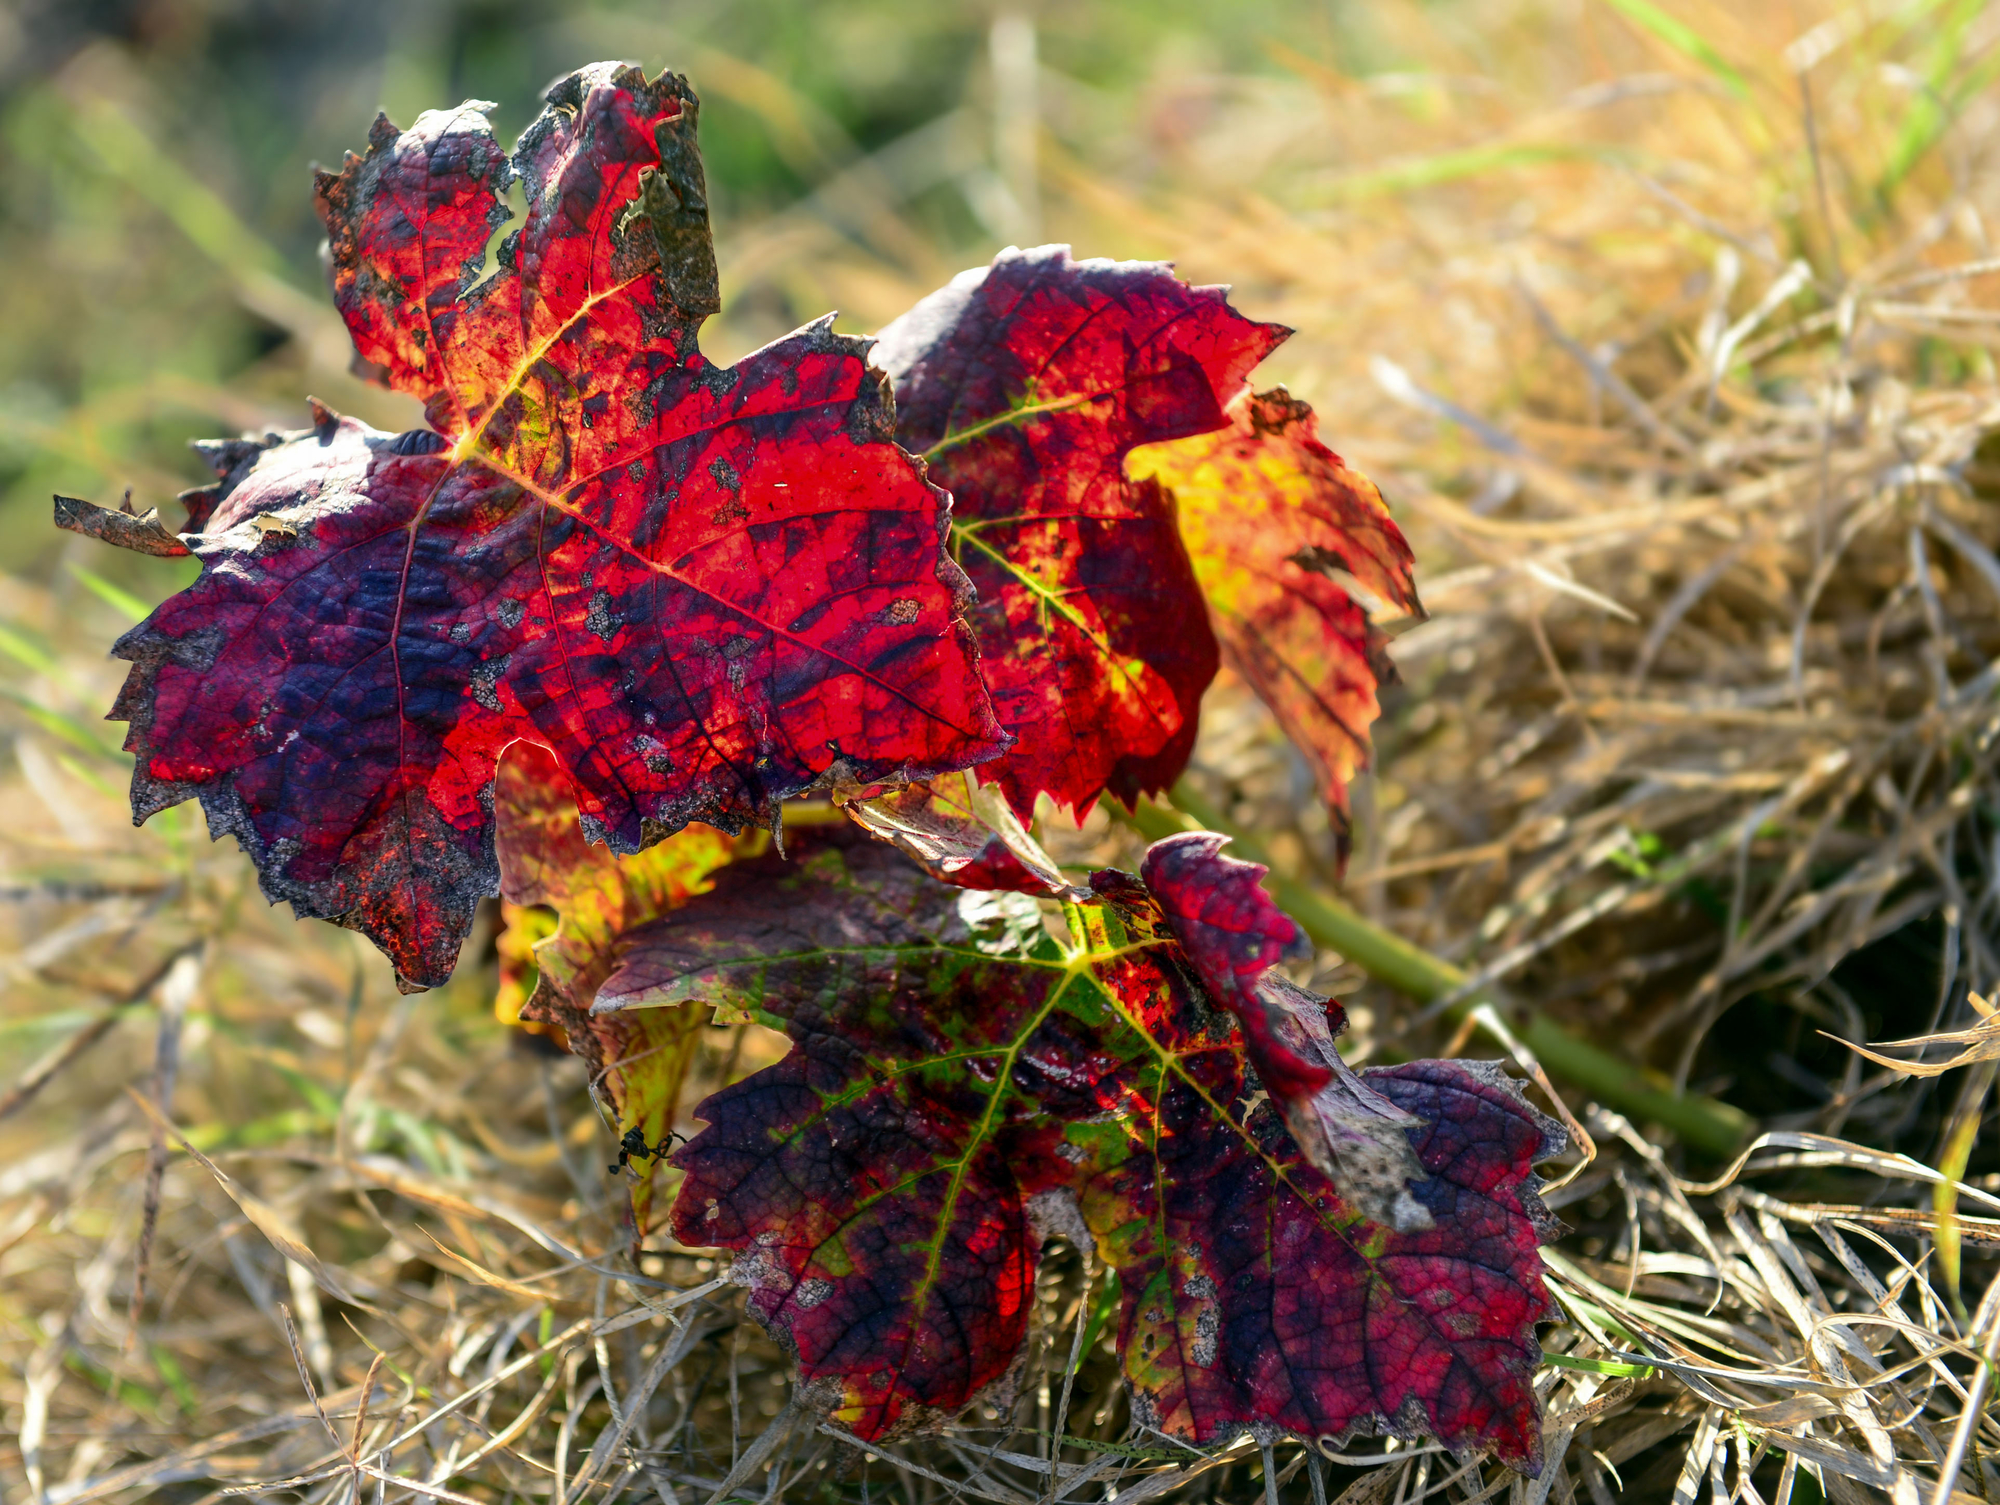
pixel 1024 385
pixel 1229 1321
pixel 1267 512
pixel 960 1085
pixel 637 1060
pixel 1236 937
pixel 704 589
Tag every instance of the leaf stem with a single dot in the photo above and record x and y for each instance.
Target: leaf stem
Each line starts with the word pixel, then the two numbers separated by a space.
pixel 1704 1124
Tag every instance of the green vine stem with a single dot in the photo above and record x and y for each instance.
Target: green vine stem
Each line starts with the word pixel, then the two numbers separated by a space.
pixel 1701 1123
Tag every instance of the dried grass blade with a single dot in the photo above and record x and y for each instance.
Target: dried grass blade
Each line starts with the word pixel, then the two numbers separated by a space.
pixel 754 1456
pixel 1987 1320
pixel 278 1229
pixel 555 1344
pixel 1826 1150
pixel 1835 1458
pixel 305 1379
pixel 46 1070
pixel 488 1277
pixel 984 1489
pixel 177 990
pixel 608 1442
pixel 1905 1220
pixel 1694 1463
pixel 147 1474
pixel 523 1419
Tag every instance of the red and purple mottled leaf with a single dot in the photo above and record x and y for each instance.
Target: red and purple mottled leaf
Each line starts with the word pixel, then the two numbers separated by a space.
pixel 1024 385
pixel 703 589
pixel 886 1223
pixel 1252 1297
pixel 1268 512
pixel 961 1085
pixel 1235 936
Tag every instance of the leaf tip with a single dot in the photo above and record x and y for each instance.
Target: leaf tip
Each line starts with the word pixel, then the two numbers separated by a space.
pixel 142 533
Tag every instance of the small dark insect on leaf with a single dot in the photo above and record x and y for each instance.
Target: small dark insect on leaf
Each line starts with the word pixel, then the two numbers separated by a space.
pixel 634 1147
pixel 638 1059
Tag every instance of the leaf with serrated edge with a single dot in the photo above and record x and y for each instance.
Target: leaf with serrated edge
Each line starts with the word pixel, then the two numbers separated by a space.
pixel 1236 936
pixel 640 1059
pixel 1267 511
pixel 704 589
pixel 1024 385
pixel 959 1085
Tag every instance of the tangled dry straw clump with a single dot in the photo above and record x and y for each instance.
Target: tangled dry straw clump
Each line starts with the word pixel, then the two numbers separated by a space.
pixel 1679 374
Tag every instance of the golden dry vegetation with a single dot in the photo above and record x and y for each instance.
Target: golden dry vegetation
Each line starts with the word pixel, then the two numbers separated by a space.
pixel 1666 327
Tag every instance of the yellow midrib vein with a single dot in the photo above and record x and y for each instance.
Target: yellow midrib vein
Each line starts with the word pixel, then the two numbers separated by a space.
pixel 1052 601
pixel 467 447
pixel 1012 415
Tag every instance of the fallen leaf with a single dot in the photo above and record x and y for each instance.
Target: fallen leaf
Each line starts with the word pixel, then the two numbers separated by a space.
pixel 961 1085
pixel 1269 514
pixel 704 589
pixel 1024 385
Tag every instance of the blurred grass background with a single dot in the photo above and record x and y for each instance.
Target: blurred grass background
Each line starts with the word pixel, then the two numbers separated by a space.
pixel 162 247
pixel 1653 319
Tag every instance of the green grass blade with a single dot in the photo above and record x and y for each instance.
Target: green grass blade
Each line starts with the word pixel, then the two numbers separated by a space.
pixel 1107 1303
pixel 176 1380
pixel 1685 40
pixel 25 650
pixel 56 724
pixel 129 154
pixel 84 773
pixel 1453 167
pixel 1937 103
pixel 1597 1366
pixel 116 597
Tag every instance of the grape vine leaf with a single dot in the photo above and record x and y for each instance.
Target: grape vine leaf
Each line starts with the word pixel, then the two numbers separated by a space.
pixel 961 1085
pixel 1268 512
pixel 638 1060
pixel 1236 937
pixel 1024 385
pixel 704 589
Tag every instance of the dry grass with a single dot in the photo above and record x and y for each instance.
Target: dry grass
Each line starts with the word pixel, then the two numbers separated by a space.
pixel 1672 349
